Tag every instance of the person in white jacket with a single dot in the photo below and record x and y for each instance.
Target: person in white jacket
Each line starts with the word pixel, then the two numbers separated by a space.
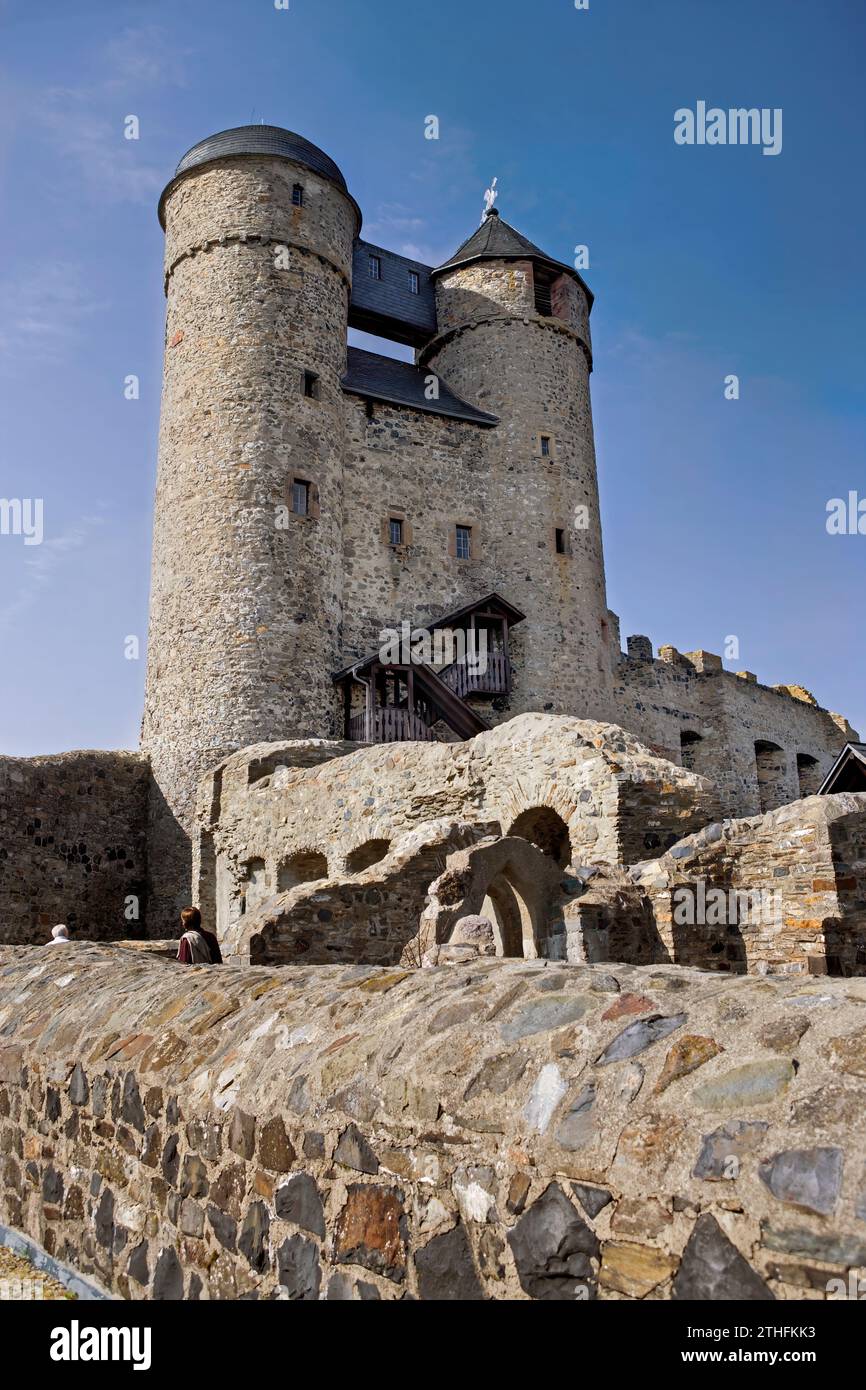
pixel 59 936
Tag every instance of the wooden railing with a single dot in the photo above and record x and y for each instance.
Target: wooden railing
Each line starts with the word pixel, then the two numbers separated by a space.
pixel 390 725
pixel 464 680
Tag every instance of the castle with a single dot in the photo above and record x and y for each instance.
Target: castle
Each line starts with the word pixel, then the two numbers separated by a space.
pixel 312 497
pixel 363 1103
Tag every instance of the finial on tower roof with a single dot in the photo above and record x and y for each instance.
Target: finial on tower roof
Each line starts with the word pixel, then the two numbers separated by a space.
pixel 490 196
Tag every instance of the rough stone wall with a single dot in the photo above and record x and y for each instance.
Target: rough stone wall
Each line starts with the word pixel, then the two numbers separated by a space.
pixel 660 700
pixel 533 372
pixel 613 800
pixel 245 599
pixel 506 1130
pixel 801 871
pixel 73 845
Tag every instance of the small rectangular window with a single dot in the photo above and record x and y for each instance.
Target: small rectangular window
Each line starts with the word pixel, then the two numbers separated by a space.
pixel 543 301
pixel 414 282
pixel 464 542
pixel 311 385
pixel 545 446
pixel 560 541
pixel 298 195
pixel 395 531
pixel 375 267
pixel 300 497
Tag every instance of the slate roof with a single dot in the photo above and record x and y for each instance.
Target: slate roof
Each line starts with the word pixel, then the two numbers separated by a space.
pixel 402 383
pixel 496 240
pixel 387 307
pixel 259 140
pixel 845 769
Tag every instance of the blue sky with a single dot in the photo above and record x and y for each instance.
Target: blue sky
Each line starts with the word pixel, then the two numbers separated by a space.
pixel 705 261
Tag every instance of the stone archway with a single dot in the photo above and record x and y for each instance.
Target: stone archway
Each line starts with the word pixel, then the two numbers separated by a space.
pixel 509 881
pixel 544 828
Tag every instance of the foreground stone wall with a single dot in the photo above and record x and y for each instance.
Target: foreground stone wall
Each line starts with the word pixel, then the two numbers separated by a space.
pixel 73 845
pixel 502 1130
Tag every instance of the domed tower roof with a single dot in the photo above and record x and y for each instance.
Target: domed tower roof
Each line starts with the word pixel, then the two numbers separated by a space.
pixel 496 240
pixel 269 140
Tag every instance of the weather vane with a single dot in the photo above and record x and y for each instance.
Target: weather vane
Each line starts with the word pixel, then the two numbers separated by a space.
pixel 490 196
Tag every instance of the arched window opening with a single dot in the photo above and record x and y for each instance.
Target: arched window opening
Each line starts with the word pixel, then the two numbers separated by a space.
pixel 305 867
pixel 772 770
pixel 371 852
pixel 808 774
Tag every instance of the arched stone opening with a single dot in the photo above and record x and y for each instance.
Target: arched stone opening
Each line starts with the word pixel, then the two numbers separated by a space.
pixel 809 776
pixel 513 926
pixel 545 828
pixel 366 855
pixel 307 866
pixel 772 770
pixel 690 750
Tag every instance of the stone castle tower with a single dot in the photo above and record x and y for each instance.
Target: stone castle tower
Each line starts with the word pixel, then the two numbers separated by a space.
pixel 286 459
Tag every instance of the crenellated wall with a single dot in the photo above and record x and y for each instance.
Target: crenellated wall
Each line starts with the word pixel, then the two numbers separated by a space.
pixel 501 1130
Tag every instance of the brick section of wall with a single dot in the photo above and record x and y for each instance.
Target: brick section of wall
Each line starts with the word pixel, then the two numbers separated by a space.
pixel 73 845
pixel 505 1130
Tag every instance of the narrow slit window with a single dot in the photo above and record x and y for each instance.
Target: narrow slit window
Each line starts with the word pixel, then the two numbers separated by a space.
pixel 300 497
pixel 545 446
pixel 311 386
pixel 464 542
pixel 560 541
pixel 375 267
pixel 298 195
pixel 395 531
pixel 414 282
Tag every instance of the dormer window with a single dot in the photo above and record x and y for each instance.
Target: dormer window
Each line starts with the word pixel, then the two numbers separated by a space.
pixel 375 267
pixel 298 195
pixel 414 282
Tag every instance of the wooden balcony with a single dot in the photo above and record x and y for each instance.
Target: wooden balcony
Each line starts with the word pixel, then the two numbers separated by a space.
pixel 390 725
pixel 495 680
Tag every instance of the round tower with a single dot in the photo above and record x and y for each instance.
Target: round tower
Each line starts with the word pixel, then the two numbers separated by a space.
pixel 513 338
pixel 246 573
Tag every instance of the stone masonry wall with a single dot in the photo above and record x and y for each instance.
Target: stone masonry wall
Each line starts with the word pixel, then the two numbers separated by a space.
pixel 507 1130
pixel 801 871
pixel 73 845
pixel 615 801
pixel 659 700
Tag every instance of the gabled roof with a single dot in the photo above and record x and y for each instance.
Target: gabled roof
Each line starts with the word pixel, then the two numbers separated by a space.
pixel 496 240
pixel 848 773
pixel 402 383
pixel 491 600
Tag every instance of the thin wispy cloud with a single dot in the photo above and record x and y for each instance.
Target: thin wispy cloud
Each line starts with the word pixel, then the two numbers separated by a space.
pixel 42 312
pixel 43 566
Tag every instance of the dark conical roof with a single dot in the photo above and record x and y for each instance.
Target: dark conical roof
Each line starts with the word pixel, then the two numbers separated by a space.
pixel 270 140
pixel 496 240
